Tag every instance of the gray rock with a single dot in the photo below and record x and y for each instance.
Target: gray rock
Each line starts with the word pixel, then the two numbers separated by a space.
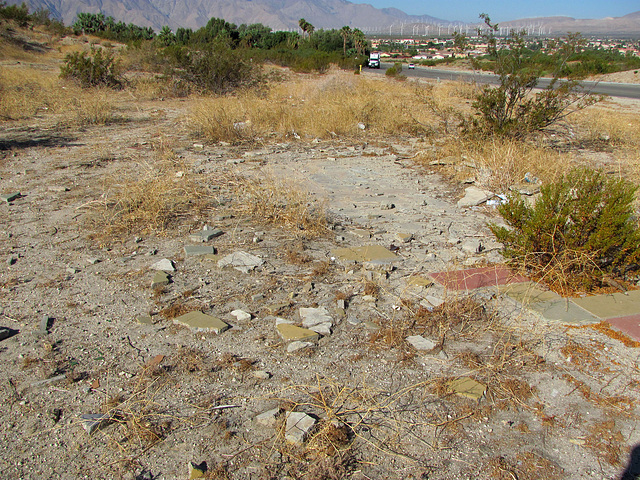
pixel 261 375
pixel 323 329
pixel 12 260
pixel 298 427
pixel 298 345
pixel 49 381
pixel 315 316
pixel 242 261
pixel 197 250
pixel 241 315
pixel 268 418
pixel 205 235
pixel 165 265
pixel 95 421
pixel 44 325
pixel 474 196
pixel 10 197
pixel 420 343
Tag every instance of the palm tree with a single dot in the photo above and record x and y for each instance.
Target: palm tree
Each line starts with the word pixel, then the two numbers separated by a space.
pixel 304 25
pixel 345 32
pixel 360 40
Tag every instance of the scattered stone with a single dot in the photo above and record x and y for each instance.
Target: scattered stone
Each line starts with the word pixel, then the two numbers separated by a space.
pixel 10 197
pixel 367 253
pixel 525 188
pixel 160 279
pixel 144 320
pixel 197 250
pixel 165 265
pixel 155 361
pixel 95 421
pixel 474 196
pixel 57 188
pixel 241 315
pixel 323 329
pixel 205 235
pixel 298 427
pixel 369 298
pixel 93 260
pixel 315 316
pixel 283 320
pixel 387 206
pixel 201 322
pixel 361 232
pixel 242 261
pixel 353 320
pixel 378 266
pixel 72 270
pixel 49 381
pixel 212 257
pixel 269 418
pixel 433 301
pixel 420 343
pixel 198 146
pixel 419 281
pixel 468 387
pixel 341 304
pixel 405 237
pixel 291 333
pixel 298 345
pixel 12 260
pixel 6 332
pixel 472 245
pixel 261 375
pixel 44 325
pixel 197 471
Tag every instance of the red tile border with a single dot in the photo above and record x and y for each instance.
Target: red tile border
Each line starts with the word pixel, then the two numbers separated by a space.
pixel 473 278
pixel 629 325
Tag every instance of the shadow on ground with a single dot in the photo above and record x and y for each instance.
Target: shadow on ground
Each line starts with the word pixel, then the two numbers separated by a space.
pixel 28 140
pixel 632 472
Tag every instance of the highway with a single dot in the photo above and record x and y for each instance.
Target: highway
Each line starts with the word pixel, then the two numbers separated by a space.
pixel 625 90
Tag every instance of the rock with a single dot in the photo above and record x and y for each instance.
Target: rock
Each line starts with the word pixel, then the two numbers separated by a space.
pixel 291 333
pixel 201 322
pixel 526 188
pixel 378 266
pixel 419 281
pixel 72 270
pixel 165 265
pixel 432 301
pixel 315 316
pixel 144 320
pixel 197 250
pixel 404 237
pixel 387 206
pixel 261 375
pixel 241 315
pixel 12 260
pixel 297 427
pixel 10 197
pixel 6 332
pixel 361 232
pixel 197 470
pixel 44 325
pixel 420 343
pixel 268 418
pixel 323 329
pixel 367 253
pixel 468 387
pixel 283 320
pixel 95 421
pixel 93 261
pixel 160 279
pixel 49 381
pixel 474 196
pixel 472 245
pixel 242 261
pixel 298 345
pixel 57 188
pixel 205 235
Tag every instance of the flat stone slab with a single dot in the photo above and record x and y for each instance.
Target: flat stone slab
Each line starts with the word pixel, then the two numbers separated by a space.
pixel 315 316
pixel 419 281
pixel 165 265
pixel 474 196
pixel 563 311
pixel 297 345
pixel 528 292
pixel 241 315
pixel 201 322
pixel 268 418
pixel 197 250
pixel 242 261
pixel 629 325
pixel 469 388
pixel 611 306
pixel 160 279
pixel 473 278
pixel 9 197
pixel 297 427
pixel 6 332
pixel 420 343
pixel 95 421
pixel 292 333
pixel 366 253
pixel 205 235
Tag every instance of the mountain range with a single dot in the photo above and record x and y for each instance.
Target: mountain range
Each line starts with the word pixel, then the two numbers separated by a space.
pixel 285 14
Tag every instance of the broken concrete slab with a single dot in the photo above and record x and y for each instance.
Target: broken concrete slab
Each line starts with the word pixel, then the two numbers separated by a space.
pixel 298 426
pixel 9 197
pixel 165 265
pixel 420 343
pixel 611 306
pixel 563 311
pixel 298 345
pixel 205 235
pixel 323 329
pixel 197 470
pixel 481 277
pixel 629 325
pixel 315 316
pixel 291 333
pixel 419 281
pixel 49 381
pixel 198 250
pixel 45 324
pixel 366 253
pixel 404 237
pixel 525 188
pixel 469 388
pixel 269 418
pixel 242 261
pixel 241 315
pixel 474 196
pixel 200 322
pixel 529 292
pixel 160 279
pixel 95 421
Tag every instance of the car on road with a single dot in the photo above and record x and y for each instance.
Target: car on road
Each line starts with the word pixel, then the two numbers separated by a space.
pixel 412 66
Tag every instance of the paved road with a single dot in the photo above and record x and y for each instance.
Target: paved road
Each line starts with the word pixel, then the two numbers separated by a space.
pixel 627 90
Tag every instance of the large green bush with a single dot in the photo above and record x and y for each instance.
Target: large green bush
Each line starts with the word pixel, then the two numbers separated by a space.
pixel 95 69
pixel 582 229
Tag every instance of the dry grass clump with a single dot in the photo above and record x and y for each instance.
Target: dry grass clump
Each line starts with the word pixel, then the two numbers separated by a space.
pixel 607 127
pixel 525 466
pixel 337 105
pixel 281 202
pixel 158 196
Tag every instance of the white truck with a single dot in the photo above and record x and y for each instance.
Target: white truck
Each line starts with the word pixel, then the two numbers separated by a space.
pixel 374 60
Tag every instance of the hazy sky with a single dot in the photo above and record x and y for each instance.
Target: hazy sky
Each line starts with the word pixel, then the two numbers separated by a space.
pixel 502 10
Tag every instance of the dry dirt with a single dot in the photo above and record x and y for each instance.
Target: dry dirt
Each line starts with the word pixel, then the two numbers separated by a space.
pixel 560 402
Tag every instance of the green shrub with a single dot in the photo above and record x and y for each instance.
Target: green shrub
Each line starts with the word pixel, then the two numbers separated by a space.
pixel 579 231
pixel 98 68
